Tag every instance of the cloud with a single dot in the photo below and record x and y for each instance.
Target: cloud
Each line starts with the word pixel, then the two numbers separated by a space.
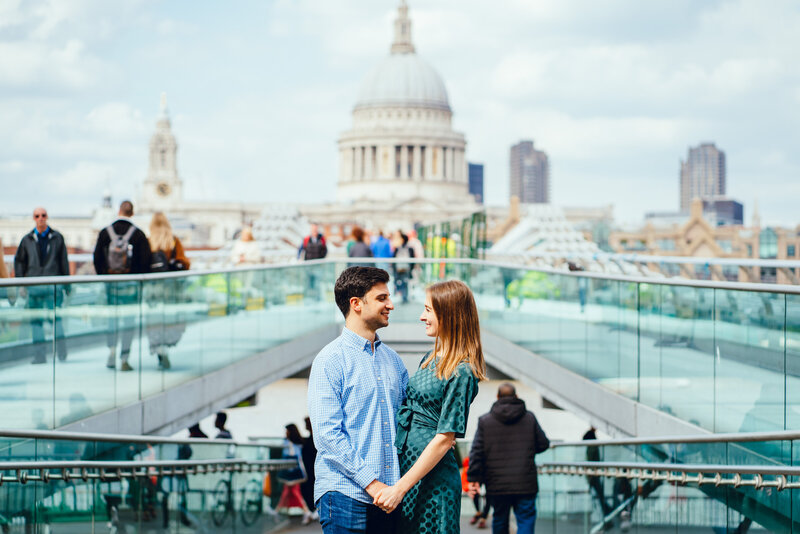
pixel 116 119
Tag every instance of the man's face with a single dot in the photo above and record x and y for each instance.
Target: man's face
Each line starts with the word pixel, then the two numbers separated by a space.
pixel 375 307
pixel 314 230
pixel 40 217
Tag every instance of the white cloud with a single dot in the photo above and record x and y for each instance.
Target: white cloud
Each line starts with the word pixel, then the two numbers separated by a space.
pixel 116 119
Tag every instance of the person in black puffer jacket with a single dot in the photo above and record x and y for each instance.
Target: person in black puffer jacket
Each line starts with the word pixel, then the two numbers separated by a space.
pixel 502 457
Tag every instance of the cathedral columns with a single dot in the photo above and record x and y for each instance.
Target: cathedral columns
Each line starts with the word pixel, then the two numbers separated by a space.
pixel 359 157
pixel 417 170
pixel 451 165
pixel 404 162
pixel 369 171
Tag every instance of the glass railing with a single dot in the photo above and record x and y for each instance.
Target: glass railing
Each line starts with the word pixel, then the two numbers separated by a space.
pixel 721 355
pixel 724 356
pixel 723 485
pixel 71 350
pixel 55 482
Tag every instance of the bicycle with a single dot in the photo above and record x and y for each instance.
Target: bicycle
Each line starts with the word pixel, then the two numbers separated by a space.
pixel 223 502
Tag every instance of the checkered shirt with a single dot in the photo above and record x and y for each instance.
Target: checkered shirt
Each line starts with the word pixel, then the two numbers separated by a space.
pixel 353 396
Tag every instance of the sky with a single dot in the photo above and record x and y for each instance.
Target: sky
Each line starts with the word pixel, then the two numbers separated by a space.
pixel 258 92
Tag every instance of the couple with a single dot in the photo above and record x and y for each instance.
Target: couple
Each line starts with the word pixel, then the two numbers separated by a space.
pixel 385 442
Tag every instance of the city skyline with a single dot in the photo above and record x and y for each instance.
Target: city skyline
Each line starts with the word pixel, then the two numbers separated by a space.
pixel 260 92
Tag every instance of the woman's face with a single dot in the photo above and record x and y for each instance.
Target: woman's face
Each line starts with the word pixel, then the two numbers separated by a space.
pixel 429 318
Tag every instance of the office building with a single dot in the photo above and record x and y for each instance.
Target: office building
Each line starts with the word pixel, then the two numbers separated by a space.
pixel 529 174
pixel 702 175
pixel 476 181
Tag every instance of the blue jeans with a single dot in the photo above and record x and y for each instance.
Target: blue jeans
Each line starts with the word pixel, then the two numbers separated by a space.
pixel 339 514
pixel 524 510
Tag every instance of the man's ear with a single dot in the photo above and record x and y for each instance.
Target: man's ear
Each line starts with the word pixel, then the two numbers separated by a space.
pixel 355 304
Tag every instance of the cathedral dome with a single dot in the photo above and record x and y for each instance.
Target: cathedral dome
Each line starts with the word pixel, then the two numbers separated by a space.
pixel 406 80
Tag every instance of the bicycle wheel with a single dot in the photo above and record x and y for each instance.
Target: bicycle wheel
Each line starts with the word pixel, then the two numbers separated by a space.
pixel 252 502
pixel 221 502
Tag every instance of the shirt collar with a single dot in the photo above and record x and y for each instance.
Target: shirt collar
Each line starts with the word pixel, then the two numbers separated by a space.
pixel 359 342
pixel 46 231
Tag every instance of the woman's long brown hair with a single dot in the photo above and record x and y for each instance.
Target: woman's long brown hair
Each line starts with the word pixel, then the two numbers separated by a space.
pixel 459 337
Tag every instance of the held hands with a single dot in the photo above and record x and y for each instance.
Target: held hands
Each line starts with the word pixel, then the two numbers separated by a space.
pixel 474 488
pixel 388 498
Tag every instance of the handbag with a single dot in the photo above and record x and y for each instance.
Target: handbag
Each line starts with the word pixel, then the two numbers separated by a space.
pixel 295 475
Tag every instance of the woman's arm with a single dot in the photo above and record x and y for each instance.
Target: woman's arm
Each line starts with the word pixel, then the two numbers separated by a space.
pixel 389 498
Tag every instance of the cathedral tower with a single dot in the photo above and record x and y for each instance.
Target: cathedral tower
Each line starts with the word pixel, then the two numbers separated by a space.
pixel 163 188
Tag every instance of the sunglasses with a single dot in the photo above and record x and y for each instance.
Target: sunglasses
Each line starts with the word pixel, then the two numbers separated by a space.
pixel 40 215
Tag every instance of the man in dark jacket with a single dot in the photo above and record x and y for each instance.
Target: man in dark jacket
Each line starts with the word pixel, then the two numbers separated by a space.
pixel 502 458
pixel 313 245
pixel 135 259
pixel 42 252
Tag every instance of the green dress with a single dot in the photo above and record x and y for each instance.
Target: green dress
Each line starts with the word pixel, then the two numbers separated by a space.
pixel 433 406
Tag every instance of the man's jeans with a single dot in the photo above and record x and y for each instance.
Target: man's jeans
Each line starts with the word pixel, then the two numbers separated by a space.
pixel 524 510
pixel 339 514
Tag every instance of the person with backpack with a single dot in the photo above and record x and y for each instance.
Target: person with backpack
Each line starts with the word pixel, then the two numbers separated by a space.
pixel 314 246
pixel 122 248
pixel 402 270
pixel 167 255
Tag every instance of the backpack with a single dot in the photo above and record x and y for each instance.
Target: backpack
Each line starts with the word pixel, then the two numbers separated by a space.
pixel 159 263
pixel 403 251
pixel 119 251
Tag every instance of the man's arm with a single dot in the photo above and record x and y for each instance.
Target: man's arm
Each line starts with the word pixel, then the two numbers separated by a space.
pixel 63 261
pixel 327 420
pixel 541 443
pixel 477 458
pixel 100 252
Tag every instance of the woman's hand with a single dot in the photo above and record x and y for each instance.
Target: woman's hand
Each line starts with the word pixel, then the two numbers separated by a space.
pixel 389 498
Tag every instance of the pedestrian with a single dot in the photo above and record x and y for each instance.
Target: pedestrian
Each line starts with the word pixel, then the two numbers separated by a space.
pixel 402 270
pixel 359 247
pixel 381 248
pixel 42 252
pixel 246 251
pixel 291 496
pixel 503 458
pixel 356 385
pixel 219 424
pixel 481 512
pixel 435 413
pixel 313 246
pixel 122 248
pixel 167 255
pixel 309 457
pixel 3 269
pixel 595 482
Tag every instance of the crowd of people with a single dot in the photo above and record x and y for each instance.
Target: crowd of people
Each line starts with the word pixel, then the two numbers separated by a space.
pixel 122 248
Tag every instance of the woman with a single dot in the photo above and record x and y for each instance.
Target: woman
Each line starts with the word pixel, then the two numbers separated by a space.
pixel 358 248
pixel 246 250
pixel 292 478
pixel 402 271
pixel 167 255
pixel 435 412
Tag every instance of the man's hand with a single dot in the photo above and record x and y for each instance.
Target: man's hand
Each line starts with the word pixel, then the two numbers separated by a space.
pixel 374 487
pixel 389 498
pixel 473 488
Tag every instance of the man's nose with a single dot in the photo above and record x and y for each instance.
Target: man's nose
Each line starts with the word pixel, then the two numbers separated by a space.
pixel 389 304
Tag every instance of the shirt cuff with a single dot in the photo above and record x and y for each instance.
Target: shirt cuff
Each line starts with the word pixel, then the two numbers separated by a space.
pixel 364 477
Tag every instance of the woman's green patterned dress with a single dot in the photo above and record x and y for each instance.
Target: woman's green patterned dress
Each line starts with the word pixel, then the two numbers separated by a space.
pixel 433 406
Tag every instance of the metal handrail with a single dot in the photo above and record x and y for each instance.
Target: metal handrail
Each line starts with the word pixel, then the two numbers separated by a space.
pixel 117 438
pixel 734 437
pixel 689 473
pixel 46 471
pixel 701 284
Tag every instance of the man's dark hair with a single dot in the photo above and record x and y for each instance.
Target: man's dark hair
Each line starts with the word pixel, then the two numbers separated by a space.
pixel 222 418
pixel 126 208
pixel 356 282
pixel 506 389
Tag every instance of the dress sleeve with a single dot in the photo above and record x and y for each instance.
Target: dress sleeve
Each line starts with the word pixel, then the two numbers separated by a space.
pixel 459 393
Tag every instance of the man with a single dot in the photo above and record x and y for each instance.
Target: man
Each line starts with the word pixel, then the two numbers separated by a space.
pixel 357 384
pixel 596 483
pixel 502 458
pixel 313 245
pixel 381 247
pixel 122 248
pixel 219 424
pixel 42 252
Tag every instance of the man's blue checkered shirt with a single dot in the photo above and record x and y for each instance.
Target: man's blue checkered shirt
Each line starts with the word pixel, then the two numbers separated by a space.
pixel 353 396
